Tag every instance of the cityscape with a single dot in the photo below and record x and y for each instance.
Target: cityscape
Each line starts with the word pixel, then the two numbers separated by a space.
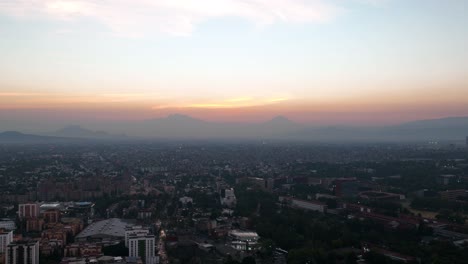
pixel 229 202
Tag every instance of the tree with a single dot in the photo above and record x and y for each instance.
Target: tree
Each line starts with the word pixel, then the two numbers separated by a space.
pixel 249 260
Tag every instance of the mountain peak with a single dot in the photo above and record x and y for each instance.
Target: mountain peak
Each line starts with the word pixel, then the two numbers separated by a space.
pixel 72 128
pixel 179 117
pixel 78 131
pixel 280 120
pixel 11 133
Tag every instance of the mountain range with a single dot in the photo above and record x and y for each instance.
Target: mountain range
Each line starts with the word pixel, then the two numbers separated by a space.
pixel 18 137
pixel 179 126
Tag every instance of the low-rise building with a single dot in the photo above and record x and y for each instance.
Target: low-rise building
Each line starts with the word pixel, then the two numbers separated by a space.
pixel 105 231
pixel 82 250
pixel 453 194
pixel 304 204
pixel 7 224
pixel 243 240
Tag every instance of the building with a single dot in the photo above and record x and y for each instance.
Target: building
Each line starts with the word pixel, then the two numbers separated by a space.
pixel 23 252
pixel 143 246
pixel 381 196
pixel 228 198
pixel 29 210
pixel 101 260
pixel 50 206
pixel 6 237
pixel 51 216
pixel 346 187
pixel 453 194
pixel 82 250
pixel 106 231
pixel 135 231
pixel 447 179
pixel 34 224
pixel 48 247
pixel 254 181
pixel 145 214
pixel 185 200
pixel 7 224
pixel 84 210
pixel 243 240
pixel 304 204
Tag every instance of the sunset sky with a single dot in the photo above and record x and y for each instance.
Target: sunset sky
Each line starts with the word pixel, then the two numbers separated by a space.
pixel 323 61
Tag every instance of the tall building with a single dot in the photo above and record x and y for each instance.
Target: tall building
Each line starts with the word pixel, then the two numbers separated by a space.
pixel 467 141
pixel 30 210
pixel 23 252
pixel 228 198
pixel 135 231
pixel 6 237
pixel 143 246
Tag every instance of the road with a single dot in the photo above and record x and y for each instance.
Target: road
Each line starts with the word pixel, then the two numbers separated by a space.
pixel 163 259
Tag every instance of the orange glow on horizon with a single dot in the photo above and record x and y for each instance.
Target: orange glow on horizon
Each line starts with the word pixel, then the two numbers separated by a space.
pixel 375 107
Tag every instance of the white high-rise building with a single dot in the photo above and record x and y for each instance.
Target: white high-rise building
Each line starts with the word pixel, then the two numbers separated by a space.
pixel 23 252
pixel 228 198
pixel 135 231
pixel 6 237
pixel 143 246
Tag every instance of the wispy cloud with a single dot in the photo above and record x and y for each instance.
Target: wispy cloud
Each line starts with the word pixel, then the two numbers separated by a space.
pixel 227 103
pixel 174 17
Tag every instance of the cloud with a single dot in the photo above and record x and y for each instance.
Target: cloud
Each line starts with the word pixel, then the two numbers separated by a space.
pixel 174 17
pixel 227 103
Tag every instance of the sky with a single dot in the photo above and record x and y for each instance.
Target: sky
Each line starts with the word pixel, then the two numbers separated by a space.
pixel 314 61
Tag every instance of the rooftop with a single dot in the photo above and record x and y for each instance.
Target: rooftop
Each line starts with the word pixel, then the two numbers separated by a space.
pixel 114 227
pixel 240 233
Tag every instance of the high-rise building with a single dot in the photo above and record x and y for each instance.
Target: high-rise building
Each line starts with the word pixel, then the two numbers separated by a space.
pixel 228 197
pixel 6 237
pixel 467 141
pixel 23 252
pixel 133 231
pixel 30 210
pixel 143 246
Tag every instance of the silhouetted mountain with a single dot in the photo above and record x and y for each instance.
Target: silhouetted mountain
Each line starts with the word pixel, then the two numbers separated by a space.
pixel 280 127
pixel 281 121
pixel 18 137
pixel 183 126
pixel 441 122
pixel 80 132
pixel 432 129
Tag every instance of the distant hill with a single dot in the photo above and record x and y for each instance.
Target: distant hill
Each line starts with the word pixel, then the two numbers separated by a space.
pixel 178 126
pixel 461 122
pixel 183 126
pixel 18 137
pixel 451 128
pixel 280 127
pixel 75 131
